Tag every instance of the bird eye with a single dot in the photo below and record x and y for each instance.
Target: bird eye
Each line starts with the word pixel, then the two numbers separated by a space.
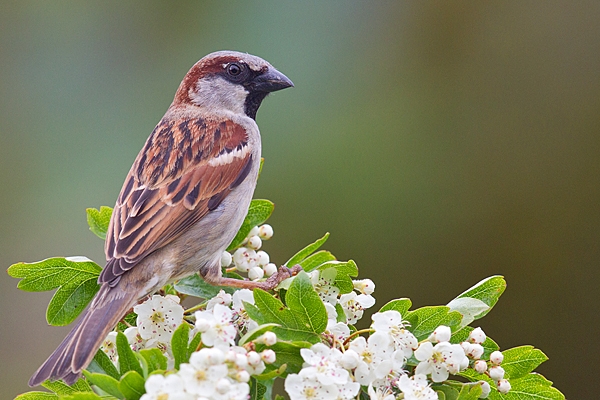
pixel 234 69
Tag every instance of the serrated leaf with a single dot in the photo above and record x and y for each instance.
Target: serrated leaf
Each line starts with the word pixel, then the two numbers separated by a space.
pixel 302 299
pixel 256 332
pixel 127 359
pixel 519 361
pixel 37 396
pixel 267 309
pixel 270 374
pixel 76 280
pixel 400 305
pixel 288 355
pixel 179 344
pixel 532 387
pixel 469 308
pixel 107 383
pixel 132 385
pixel 314 260
pixel 194 343
pixel 489 345
pixel 98 220
pixel 307 251
pixel 448 392
pixel 155 359
pixel 423 321
pixel 258 212
pixel 345 271
pixel 488 290
pixel 257 390
pixel 194 285
pixel 60 388
pixel 103 365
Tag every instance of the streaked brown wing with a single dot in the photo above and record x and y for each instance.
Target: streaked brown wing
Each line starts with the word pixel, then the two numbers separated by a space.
pixel 185 170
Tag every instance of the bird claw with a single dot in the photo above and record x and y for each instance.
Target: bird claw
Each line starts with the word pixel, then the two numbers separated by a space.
pixel 281 275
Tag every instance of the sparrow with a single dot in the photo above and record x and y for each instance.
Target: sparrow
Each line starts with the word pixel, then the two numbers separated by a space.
pixel 182 202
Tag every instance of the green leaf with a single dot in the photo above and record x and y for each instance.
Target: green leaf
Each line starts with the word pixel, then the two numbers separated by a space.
pixel 257 390
pixel 256 332
pixel 292 325
pixel 37 396
pixel 288 355
pixel 314 260
pixel 307 251
pixel 532 387
pixel 469 308
pixel 107 383
pixel 519 361
pixel 194 343
pixel 425 320
pixel 132 385
pixel 488 291
pixel 195 286
pixel 179 344
pixel 76 280
pixel 127 359
pixel 448 392
pixel 400 305
pixel 81 396
pixel 345 272
pixel 258 212
pixel 303 300
pixel 271 373
pixel 60 388
pixel 469 392
pixel 462 335
pixel 98 220
pixel 155 359
pixel 102 364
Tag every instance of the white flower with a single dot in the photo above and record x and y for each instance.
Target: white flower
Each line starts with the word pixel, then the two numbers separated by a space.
pixel 265 232
pixel 416 388
pixel 323 282
pixel 158 317
pixel 216 326
pixel 364 286
pixel 204 370
pixel 221 298
pixel 390 323
pixel 475 351
pixel 496 357
pixel 134 338
pixel 380 393
pixel 240 316
pixel 354 305
pixel 503 386
pixel 109 346
pixel 323 362
pixel 441 360
pixel 244 259
pixel 485 389
pixel 375 358
pixel 477 336
pixel 441 334
pixel 159 387
pixel 262 258
pixel 480 366
pixel 301 387
pixel 349 359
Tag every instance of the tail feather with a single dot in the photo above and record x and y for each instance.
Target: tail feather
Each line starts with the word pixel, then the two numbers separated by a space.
pixel 79 347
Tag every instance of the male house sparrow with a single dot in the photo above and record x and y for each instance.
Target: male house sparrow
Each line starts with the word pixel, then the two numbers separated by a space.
pixel 183 201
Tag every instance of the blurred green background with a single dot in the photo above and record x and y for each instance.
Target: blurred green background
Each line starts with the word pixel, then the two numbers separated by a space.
pixel 438 142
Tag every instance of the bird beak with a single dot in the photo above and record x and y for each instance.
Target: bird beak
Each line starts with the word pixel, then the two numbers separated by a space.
pixel 271 81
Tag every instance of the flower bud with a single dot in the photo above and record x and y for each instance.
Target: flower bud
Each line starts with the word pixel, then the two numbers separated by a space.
pixel 255 273
pixel 223 386
pixel 503 386
pixel 268 356
pixel 269 338
pixel 270 269
pixel 485 389
pixel 496 357
pixel 242 376
pixel 496 373
pixel 477 336
pixel 441 334
pixel 480 366
pixel 350 359
pixel 254 242
pixel 253 358
pixel 226 259
pixel 265 232
pixel 476 351
pixel 262 258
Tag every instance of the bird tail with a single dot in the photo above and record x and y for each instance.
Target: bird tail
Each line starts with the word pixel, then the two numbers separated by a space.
pixel 79 347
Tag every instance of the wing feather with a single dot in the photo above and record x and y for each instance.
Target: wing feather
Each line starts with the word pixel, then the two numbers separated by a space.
pixel 182 173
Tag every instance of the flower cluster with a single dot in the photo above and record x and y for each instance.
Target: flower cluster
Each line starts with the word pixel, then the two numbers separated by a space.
pixel 248 258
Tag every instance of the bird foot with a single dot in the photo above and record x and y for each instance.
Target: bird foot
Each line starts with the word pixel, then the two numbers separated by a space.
pixel 278 277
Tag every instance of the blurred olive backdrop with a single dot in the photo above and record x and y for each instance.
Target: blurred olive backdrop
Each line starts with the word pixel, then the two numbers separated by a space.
pixel 438 142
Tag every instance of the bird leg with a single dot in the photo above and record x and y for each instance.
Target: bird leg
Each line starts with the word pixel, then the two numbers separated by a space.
pixel 270 284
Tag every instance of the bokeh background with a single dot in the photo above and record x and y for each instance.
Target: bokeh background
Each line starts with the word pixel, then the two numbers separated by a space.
pixel 438 142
